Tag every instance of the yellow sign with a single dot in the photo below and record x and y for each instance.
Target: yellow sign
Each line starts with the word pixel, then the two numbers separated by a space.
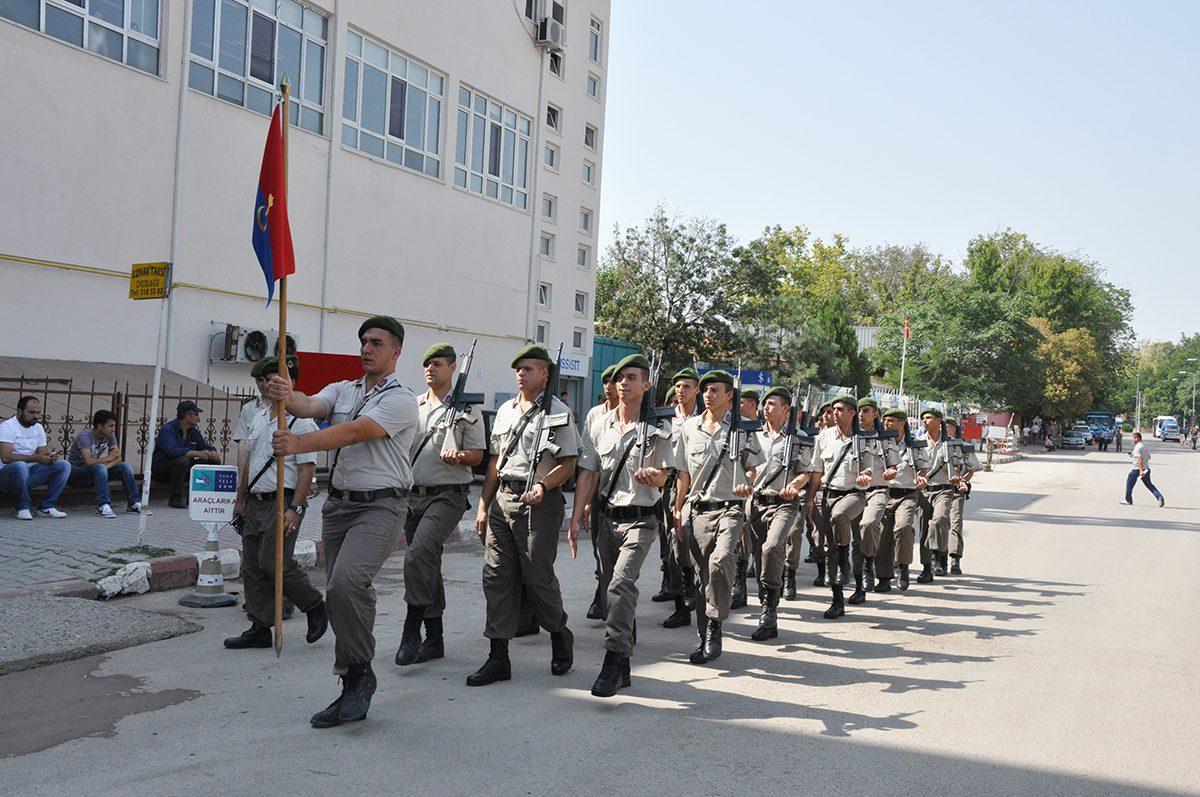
pixel 148 280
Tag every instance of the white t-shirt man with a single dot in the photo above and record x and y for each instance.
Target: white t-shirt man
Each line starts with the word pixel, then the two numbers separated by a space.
pixel 1141 456
pixel 25 440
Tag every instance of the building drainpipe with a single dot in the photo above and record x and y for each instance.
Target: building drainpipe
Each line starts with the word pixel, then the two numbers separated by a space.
pixel 534 275
pixel 335 94
pixel 176 188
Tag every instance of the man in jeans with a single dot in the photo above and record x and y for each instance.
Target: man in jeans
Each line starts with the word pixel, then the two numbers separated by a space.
pixel 27 461
pixel 178 447
pixel 96 459
pixel 1140 470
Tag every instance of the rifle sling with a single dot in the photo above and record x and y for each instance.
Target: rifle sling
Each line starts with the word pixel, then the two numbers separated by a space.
pixel 267 465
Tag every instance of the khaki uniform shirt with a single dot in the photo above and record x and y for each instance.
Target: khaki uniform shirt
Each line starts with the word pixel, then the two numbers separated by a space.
pixel 908 461
pixel 774 448
pixel 258 444
pixel 827 451
pixel 241 429
pixel 428 468
pixel 871 452
pixel 559 438
pixel 604 444
pixel 696 451
pixel 592 414
pixel 382 462
pixel 935 455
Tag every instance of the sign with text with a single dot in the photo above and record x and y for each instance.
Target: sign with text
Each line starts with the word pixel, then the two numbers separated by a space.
pixel 574 365
pixel 148 280
pixel 213 493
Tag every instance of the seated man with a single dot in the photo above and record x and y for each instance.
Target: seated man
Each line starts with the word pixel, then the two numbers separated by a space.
pixel 180 445
pixel 27 461
pixel 96 459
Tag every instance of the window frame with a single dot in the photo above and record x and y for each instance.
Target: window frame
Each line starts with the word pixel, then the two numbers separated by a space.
pixel 591 167
pixel 501 122
pixel 557 150
pixel 557 113
pixel 553 200
pixel 541 332
pixel 88 19
pixel 586 265
pixel 590 77
pixel 581 311
pixel 546 244
pixel 595 132
pixel 587 220
pixel 581 333
pixel 561 74
pixel 546 290
pixel 596 35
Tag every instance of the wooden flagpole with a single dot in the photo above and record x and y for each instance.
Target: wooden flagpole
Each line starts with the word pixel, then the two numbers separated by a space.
pixel 281 407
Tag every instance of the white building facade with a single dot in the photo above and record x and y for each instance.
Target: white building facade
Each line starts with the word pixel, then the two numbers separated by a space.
pixel 444 168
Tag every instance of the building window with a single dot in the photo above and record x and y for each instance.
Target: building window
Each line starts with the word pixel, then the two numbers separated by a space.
pixel 594 41
pixel 556 64
pixel 493 149
pixel 593 86
pixel 550 157
pixel 577 338
pixel 590 134
pixel 549 207
pixel 541 333
pixel 543 294
pixel 554 118
pixel 589 173
pixel 546 246
pixel 123 30
pixel 241 55
pixel 585 221
pixel 580 303
pixel 392 106
pixel 583 257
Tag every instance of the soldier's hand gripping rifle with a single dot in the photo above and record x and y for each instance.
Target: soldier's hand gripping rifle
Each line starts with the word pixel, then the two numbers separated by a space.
pixel 534 454
pixel 650 413
pixel 458 401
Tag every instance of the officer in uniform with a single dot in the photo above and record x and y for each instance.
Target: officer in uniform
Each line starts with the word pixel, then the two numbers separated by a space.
pixel 749 411
pixel 713 482
pixel 866 529
pixel 823 420
pixel 603 569
pixel 519 528
pixel 775 506
pixel 837 468
pixel 940 489
pixel 627 484
pixel 681 576
pixel 905 462
pixel 968 465
pixel 256 508
pixel 372 424
pixel 442 460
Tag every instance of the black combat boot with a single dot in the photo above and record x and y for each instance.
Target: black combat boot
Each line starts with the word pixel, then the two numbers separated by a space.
pixel 689 588
pixel 562 651
pixel 712 640
pixel 528 624
pixel 844 563
pixel 884 585
pixel 697 656
pixel 869 573
pixel 328 716
pixel 902 577
pixel 859 595
pixel 662 596
pixel 939 564
pixel 256 636
pixel 838 607
pixel 433 647
pixel 614 674
pixel 926 576
pixel 410 638
pixel 496 668
pixel 955 566
pixel 738 598
pixel 819 581
pixel 318 622
pixel 356 696
pixel 768 627
pixel 789 584
pixel 681 616
pixel 596 610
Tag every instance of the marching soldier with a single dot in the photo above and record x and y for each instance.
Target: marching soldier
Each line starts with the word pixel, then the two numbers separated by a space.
pixel 603 569
pixel 824 420
pixel 442 460
pixel 749 410
pixel 256 509
pixel 775 506
pixel 519 527
pixel 714 479
pixel 372 423
pixel 941 485
pixel 627 482
pixel 905 474
pixel 681 584
pixel 837 469
pixel 866 529
pixel 969 464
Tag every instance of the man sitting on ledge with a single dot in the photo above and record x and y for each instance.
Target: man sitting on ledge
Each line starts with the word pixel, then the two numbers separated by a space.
pixel 180 445
pixel 96 459
pixel 27 461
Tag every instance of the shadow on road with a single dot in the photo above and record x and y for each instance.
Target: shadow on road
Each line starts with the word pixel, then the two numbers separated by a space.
pixel 990 515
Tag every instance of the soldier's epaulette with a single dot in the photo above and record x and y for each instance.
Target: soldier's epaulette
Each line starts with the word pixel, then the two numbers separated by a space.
pixel 918 444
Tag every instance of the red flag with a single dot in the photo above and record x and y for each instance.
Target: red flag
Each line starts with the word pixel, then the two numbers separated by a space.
pixel 906 326
pixel 272 236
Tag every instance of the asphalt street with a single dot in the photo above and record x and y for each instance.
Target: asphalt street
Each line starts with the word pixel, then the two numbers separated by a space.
pixel 1063 662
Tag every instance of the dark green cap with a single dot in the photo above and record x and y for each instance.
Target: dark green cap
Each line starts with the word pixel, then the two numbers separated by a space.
pixel 533 351
pixel 867 401
pixel 952 422
pixel 671 396
pixel 632 361
pixel 844 398
pixel 782 392
pixel 267 365
pixel 607 374
pixel 439 350
pixel 823 407
pixel 383 322
pixel 715 377
pixel 686 373
pixel 934 411
pixel 750 394
pixel 896 412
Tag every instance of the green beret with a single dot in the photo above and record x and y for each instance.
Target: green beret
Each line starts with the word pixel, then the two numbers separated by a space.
pixel 844 398
pixel 896 412
pixel 533 351
pixel 952 422
pixel 267 365
pixel 607 374
pixel 824 407
pixel 934 411
pixel 671 395
pixel 385 322
pixel 751 394
pixel 782 392
pixel 439 350
pixel 867 401
pixel 686 373
pixel 715 377
pixel 632 361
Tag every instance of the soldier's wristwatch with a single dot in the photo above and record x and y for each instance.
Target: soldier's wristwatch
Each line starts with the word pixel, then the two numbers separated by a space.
pixel 299 509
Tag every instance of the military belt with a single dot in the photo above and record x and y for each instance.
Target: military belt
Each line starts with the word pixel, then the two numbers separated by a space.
pixel 435 489
pixel 771 500
pixel 714 506
pixel 625 514
pixel 366 496
pixel 901 492
pixel 287 495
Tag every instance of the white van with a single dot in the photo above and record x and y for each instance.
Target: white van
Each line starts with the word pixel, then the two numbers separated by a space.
pixel 1156 427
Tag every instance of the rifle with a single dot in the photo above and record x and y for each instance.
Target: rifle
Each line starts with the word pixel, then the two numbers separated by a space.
pixel 534 454
pixel 738 426
pixel 793 429
pixel 459 400
pixel 650 412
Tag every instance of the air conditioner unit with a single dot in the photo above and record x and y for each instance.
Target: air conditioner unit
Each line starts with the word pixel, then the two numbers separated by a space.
pixel 550 34
pixel 230 343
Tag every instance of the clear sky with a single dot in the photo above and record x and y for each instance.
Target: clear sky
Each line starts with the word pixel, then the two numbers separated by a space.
pixel 1077 123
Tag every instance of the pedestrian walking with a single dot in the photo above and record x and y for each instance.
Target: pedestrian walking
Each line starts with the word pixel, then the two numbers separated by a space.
pixel 1140 471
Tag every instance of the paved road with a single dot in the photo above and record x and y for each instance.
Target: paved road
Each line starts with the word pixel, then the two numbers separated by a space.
pixel 1063 663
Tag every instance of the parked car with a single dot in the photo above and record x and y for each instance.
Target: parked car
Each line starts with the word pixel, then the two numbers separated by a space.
pixel 489 417
pixel 1074 438
pixel 1083 429
pixel 1170 431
